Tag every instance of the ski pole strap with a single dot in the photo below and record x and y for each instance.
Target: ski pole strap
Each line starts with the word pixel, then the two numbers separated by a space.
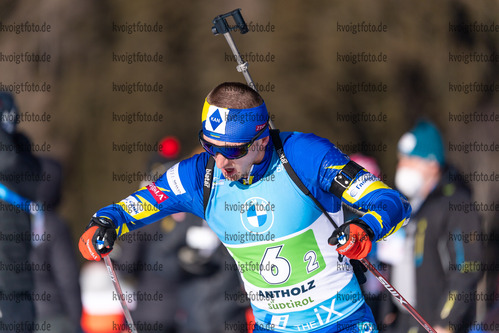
pixel 274 134
pixel 344 178
pixel 208 179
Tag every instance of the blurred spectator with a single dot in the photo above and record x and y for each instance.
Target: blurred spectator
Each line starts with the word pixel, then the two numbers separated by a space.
pixel 439 264
pixel 19 173
pixel 212 299
pixel 149 258
pixel 57 288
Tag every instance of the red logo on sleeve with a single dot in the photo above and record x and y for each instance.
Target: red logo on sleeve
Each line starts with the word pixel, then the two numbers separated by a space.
pixel 157 194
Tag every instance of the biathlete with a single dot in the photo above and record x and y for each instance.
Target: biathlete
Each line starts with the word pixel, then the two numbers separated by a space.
pixel 279 238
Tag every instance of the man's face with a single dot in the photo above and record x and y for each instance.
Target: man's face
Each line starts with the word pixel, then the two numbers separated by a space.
pixel 239 168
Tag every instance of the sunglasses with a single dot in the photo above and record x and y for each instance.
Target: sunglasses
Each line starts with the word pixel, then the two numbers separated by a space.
pixel 229 152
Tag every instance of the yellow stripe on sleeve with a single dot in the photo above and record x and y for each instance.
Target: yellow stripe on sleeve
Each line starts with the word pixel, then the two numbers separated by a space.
pixel 138 209
pixel 147 210
pixel 336 167
pixel 377 217
pixel 124 230
pixel 394 229
pixel 375 186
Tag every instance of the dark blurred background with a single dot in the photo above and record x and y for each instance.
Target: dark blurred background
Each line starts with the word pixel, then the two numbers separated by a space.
pixel 302 85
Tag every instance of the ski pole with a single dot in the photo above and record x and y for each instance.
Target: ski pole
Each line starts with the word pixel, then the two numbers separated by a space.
pixel 397 295
pixel 221 26
pixel 117 287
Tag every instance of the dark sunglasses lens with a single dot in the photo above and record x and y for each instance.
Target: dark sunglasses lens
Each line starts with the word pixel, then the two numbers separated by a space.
pixel 233 152
pixel 207 146
pixel 229 152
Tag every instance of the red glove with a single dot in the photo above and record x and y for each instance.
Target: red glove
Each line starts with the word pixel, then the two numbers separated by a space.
pixel 354 239
pixel 98 239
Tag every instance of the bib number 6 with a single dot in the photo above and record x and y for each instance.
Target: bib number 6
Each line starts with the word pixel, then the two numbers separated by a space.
pixel 273 268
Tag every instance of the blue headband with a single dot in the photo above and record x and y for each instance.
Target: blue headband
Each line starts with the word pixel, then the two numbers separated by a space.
pixel 234 125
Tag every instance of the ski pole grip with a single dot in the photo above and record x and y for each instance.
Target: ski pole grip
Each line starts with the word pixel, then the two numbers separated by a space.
pixel 342 238
pixel 221 26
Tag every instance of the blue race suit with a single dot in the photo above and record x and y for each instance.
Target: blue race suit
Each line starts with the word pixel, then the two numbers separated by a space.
pixel 275 233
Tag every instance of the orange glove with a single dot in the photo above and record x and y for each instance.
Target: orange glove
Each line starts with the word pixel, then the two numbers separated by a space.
pixel 354 239
pixel 98 239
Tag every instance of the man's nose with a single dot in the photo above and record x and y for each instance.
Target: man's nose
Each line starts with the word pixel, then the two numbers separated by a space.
pixel 221 161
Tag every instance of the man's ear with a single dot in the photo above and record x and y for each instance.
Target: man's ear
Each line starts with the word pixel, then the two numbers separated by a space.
pixel 265 141
pixel 261 144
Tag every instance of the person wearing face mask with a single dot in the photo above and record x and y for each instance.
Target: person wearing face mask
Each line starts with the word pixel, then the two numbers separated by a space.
pixel 437 268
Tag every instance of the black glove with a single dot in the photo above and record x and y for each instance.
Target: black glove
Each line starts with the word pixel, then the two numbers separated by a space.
pixel 98 239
